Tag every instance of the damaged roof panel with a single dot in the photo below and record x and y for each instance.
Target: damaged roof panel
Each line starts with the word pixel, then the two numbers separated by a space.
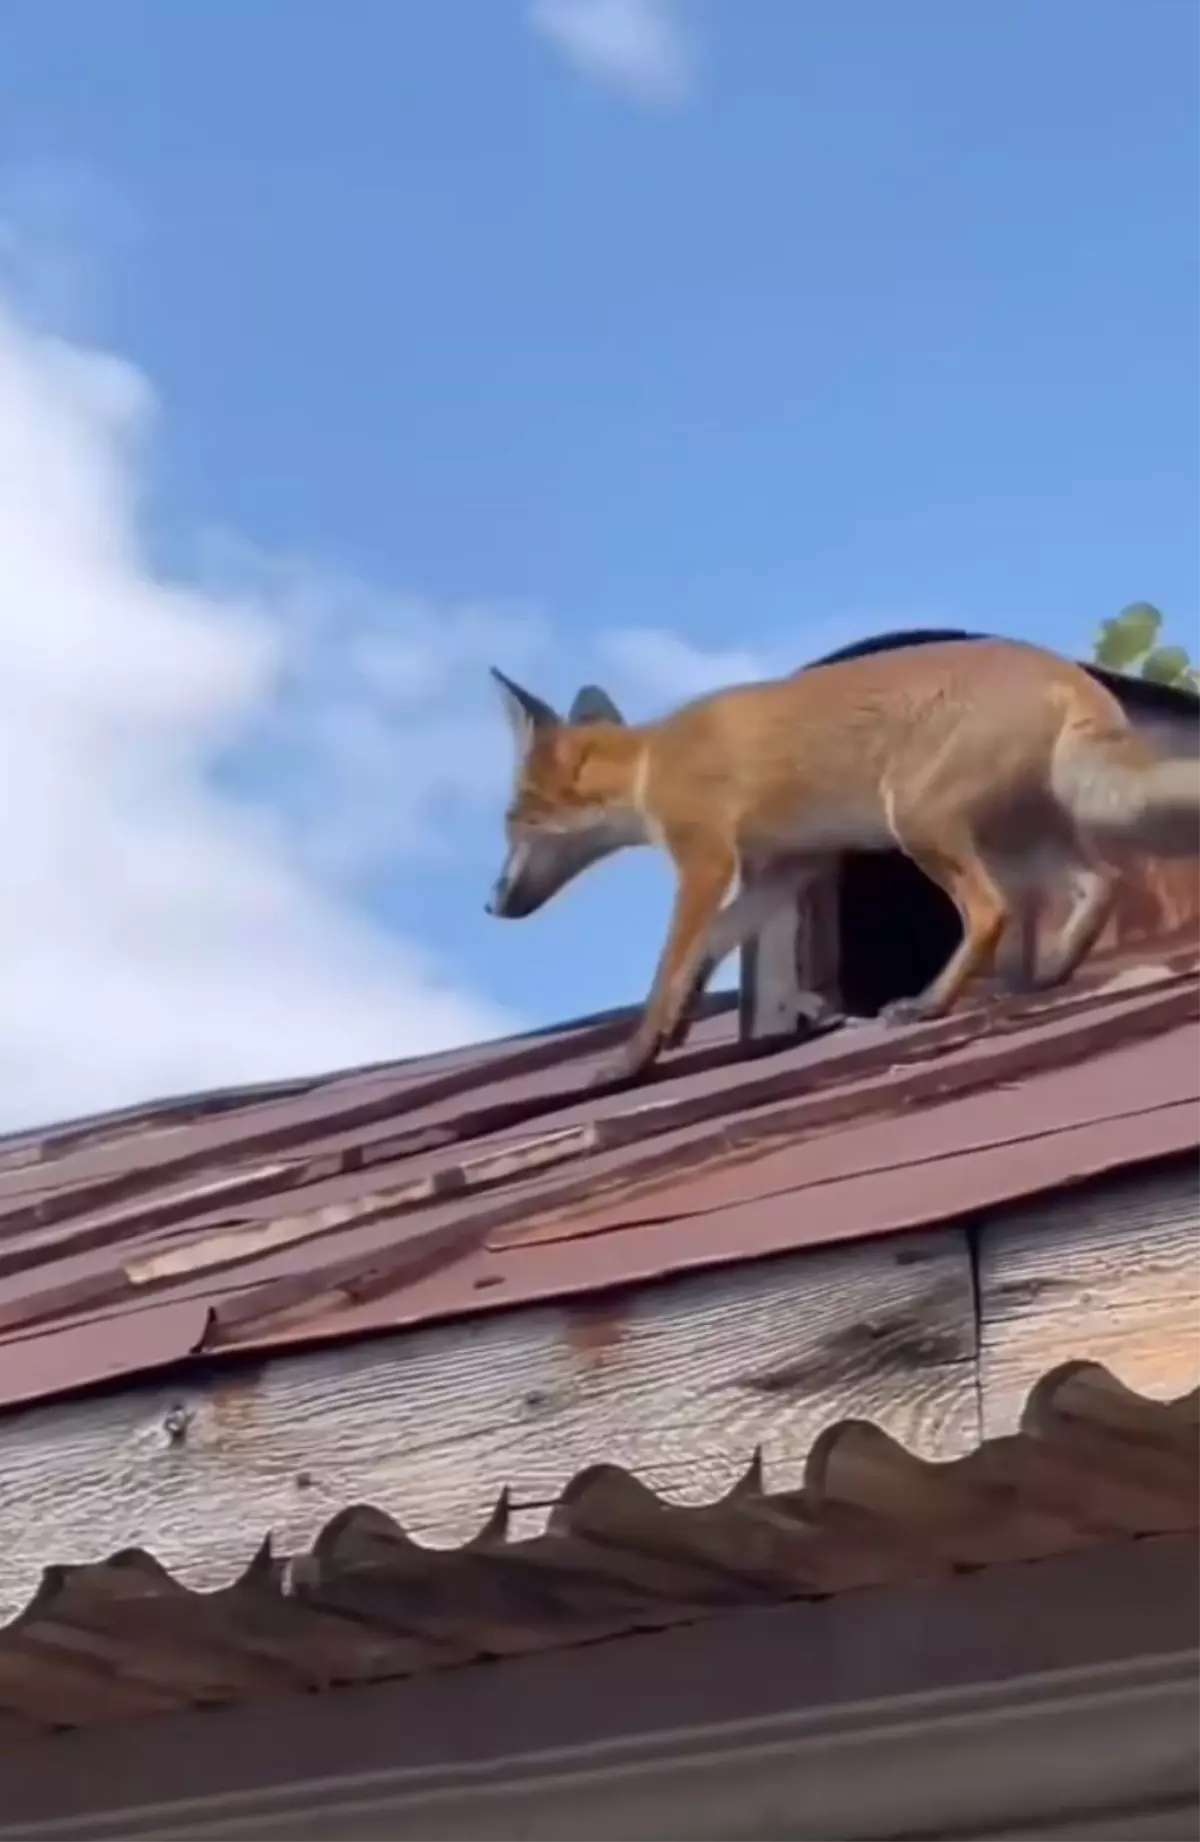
pixel 390 1196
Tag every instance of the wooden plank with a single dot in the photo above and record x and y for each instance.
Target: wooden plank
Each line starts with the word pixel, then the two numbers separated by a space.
pixel 789 970
pixel 678 1382
pixel 1107 1274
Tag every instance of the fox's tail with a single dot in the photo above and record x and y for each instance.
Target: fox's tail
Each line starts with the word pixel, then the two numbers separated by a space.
pixel 1116 785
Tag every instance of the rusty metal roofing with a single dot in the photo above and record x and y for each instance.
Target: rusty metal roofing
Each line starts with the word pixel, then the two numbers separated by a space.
pixel 397 1195
pixel 1093 1464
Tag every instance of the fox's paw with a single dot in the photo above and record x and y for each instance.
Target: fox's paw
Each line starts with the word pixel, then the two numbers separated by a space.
pixel 1047 975
pixel 679 1031
pixel 1013 978
pixel 626 1064
pixel 903 1011
pixel 814 1011
pixel 677 1034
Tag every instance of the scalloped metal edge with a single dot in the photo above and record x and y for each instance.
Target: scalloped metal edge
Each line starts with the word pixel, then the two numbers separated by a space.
pixel 839 1472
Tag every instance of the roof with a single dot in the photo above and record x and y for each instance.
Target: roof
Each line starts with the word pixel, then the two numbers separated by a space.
pixel 1092 1465
pixel 196 1230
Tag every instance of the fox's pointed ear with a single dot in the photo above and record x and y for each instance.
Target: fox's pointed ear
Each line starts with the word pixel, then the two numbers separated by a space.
pixel 592 705
pixel 525 712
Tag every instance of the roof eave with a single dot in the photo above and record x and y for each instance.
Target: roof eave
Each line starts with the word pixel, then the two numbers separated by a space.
pixel 1082 1754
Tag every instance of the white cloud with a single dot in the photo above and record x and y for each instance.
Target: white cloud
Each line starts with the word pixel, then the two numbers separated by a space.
pixel 639 48
pixel 160 930
pixel 65 236
pixel 674 668
pixel 201 777
pixel 383 736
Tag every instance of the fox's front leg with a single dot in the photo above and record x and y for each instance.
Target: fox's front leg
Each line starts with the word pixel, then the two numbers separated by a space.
pixel 766 888
pixel 705 872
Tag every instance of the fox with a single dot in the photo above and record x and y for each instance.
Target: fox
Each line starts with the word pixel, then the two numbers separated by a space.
pixel 539 864
pixel 995 765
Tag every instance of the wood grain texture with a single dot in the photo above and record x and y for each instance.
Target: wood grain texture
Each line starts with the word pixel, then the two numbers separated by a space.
pixel 770 984
pixel 1111 1275
pixel 792 963
pixel 678 1382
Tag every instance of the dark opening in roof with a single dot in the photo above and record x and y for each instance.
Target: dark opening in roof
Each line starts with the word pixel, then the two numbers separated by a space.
pixel 896 930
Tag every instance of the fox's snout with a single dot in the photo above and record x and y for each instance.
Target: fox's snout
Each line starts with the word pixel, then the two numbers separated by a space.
pixel 499 898
pixel 514 892
pixel 506 902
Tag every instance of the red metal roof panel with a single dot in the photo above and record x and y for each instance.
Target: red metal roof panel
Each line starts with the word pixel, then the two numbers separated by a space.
pixel 387 1196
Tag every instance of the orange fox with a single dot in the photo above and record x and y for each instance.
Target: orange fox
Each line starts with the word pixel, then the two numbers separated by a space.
pixel 993 764
pixel 541 864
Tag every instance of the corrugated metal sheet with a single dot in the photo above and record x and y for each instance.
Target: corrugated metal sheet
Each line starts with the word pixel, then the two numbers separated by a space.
pixel 1093 1464
pixel 394 1195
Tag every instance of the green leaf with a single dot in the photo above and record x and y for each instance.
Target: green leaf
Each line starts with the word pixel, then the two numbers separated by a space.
pixel 1111 650
pixel 1128 636
pixel 1145 617
pixel 1167 665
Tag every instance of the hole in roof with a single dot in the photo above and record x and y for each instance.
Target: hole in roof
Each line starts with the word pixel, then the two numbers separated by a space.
pixel 896 930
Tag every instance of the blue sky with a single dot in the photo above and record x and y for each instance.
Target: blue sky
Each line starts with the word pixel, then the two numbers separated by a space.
pixel 612 337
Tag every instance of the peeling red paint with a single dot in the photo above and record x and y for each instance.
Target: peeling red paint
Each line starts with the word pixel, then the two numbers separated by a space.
pixel 491 1178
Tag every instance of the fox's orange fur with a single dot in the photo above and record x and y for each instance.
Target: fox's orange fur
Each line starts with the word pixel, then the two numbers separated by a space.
pixel 992 764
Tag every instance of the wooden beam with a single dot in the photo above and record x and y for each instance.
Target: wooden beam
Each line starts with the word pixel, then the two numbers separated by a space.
pixel 789 972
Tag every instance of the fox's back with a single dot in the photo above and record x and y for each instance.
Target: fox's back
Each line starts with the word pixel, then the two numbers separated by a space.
pixel 816 758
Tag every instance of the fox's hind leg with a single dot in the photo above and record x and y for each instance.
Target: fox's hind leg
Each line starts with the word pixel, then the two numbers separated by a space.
pixel 1015 964
pixel 1093 883
pixel 1023 882
pixel 948 855
pixel 1095 890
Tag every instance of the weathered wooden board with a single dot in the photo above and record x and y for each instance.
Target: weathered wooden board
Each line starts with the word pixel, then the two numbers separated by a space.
pixel 789 970
pixel 1112 1276
pixel 678 1382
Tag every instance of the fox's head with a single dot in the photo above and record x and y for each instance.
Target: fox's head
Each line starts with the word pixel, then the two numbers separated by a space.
pixel 556 823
